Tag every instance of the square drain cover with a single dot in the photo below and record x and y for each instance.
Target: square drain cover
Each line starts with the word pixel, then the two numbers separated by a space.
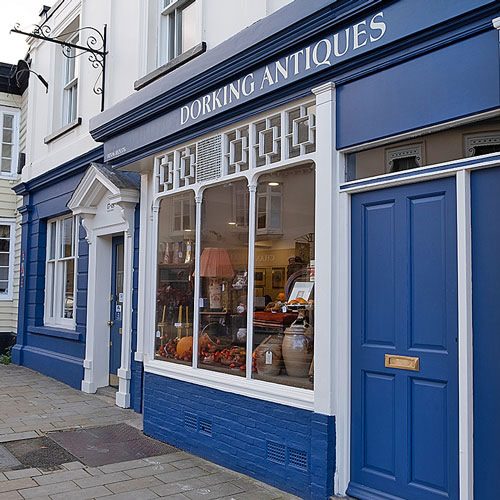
pixel 42 453
pixel 109 444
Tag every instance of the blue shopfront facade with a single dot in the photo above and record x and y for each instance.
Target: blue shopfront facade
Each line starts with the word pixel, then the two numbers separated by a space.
pixel 403 139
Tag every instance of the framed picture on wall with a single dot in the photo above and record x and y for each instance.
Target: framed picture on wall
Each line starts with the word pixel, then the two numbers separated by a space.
pixel 260 276
pixel 259 291
pixel 278 277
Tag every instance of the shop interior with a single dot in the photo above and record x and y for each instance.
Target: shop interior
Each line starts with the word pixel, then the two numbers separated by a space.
pixel 283 283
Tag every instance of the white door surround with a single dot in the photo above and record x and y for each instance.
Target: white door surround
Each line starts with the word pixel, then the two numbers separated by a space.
pixel 106 201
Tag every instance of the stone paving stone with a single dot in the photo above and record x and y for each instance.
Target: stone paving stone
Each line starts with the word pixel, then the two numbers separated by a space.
pixel 18 474
pixel 86 494
pixel 73 465
pixel 101 480
pixel 256 494
pixel 220 477
pixel 11 495
pixel 5 438
pixel 131 464
pixel 2 477
pixel 188 463
pixel 7 459
pixel 48 490
pixel 177 496
pixel 171 457
pixel 94 471
pixel 137 495
pixel 60 477
pixel 179 475
pixel 212 492
pixel 16 484
pixel 151 470
pixel 180 487
pixel 134 484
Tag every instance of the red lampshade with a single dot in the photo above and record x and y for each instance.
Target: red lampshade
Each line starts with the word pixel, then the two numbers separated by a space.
pixel 216 263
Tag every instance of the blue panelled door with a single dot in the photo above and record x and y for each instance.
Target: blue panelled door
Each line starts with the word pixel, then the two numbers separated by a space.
pixel 404 436
pixel 115 336
pixel 485 204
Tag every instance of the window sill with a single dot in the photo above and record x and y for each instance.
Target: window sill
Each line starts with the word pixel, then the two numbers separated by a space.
pixel 58 133
pixel 170 66
pixel 55 332
pixel 6 298
pixel 8 177
pixel 252 388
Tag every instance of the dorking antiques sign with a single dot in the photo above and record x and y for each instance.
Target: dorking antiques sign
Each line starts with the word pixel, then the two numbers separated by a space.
pixel 323 53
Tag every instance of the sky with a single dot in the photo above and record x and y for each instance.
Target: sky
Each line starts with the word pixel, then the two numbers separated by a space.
pixel 25 12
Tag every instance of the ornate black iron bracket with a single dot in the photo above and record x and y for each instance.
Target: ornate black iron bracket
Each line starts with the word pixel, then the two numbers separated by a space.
pixel 95 47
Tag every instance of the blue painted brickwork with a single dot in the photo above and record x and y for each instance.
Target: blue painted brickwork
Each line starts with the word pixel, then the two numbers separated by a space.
pixel 55 352
pixel 241 433
pixel 136 367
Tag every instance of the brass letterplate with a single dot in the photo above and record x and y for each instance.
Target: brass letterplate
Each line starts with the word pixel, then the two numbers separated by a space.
pixel 402 362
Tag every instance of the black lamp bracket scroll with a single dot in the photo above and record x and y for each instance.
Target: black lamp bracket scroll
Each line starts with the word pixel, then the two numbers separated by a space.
pixel 95 47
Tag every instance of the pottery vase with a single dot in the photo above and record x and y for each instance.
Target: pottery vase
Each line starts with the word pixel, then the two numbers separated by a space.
pixel 297 350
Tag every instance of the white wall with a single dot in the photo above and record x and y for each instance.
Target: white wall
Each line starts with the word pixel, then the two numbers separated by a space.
pixel 132 46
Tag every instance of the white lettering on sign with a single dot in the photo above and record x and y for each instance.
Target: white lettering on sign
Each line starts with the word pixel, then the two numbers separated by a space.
pixel 319 54
pixel 118 152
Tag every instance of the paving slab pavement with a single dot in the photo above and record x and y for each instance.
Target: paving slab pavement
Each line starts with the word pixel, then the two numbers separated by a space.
pixel 31 405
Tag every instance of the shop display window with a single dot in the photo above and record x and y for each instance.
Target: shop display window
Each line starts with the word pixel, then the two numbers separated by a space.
pixel 281 333
pixel 223 279
pixel 283 321
pixel 175 290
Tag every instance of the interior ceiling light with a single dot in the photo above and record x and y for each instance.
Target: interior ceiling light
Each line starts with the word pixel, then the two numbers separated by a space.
pixel 273 183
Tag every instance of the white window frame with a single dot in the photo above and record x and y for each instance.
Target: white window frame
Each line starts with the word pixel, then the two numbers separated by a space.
pixel 170 29
pixel 5 110
pixel 55 283
pixel 69 97
pixel 12 250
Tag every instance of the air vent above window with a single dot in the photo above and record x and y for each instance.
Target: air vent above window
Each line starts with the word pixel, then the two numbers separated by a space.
pixel 209 158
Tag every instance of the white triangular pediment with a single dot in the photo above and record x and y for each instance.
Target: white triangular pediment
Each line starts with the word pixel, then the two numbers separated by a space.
pixel 93 187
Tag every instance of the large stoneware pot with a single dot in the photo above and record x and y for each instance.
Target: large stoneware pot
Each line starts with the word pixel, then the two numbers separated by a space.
pixel 297 350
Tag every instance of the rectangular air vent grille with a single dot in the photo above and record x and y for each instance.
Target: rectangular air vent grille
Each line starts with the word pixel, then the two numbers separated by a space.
pixel 209 158
pixel 190 421
pixel 297 458
pixel 205 427
pixel 276 453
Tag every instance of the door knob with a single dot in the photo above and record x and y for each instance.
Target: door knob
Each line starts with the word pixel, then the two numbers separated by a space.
pixel 110 323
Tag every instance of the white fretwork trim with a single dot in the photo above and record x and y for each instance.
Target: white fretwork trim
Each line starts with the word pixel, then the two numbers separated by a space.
pixel 264 141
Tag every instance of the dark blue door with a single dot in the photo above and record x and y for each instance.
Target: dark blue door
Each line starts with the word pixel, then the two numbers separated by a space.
pixel 485 204
pixel 115 337
pixel 404 435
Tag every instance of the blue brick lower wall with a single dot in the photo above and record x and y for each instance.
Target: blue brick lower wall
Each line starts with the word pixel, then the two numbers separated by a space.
pixel 67 369
pixel 290 448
